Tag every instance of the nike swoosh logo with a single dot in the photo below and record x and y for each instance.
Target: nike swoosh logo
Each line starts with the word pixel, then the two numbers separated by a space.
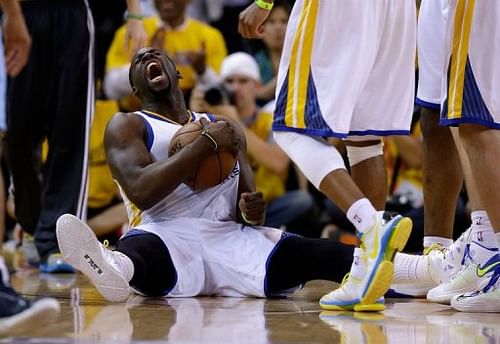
pixel 374 251
pixel 483 271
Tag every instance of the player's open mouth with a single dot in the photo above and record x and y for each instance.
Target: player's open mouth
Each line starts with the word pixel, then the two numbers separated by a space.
pixel 154 71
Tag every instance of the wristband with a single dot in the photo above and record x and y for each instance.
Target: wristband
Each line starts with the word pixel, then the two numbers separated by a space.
pixel 243 216
pixel 207 135
pixel 135 16
pixel 264 4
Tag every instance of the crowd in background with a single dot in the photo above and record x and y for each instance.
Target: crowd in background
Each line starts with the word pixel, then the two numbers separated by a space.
pixel 221 73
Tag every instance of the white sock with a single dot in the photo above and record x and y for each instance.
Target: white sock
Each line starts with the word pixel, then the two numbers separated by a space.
pixel 409 267
pixel 4 271
pixel 124 264
pixel 429 240
pixel 480 218
pixel 362 214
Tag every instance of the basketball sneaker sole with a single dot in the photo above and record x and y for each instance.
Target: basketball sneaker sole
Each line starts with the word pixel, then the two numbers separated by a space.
pixel 393 240
pixel 80 248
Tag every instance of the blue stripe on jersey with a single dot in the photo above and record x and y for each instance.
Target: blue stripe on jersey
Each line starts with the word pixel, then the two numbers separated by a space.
pixel 313 116
pixel 280 107
pixel 150 135
pixel 427 105
pixel 211 117
pixel 474 110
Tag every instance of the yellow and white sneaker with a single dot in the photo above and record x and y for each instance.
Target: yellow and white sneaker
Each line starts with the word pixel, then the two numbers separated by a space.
pixel 389 235
pixel 486 299
pixel 347 296
pixel 471 277
pixel 105 268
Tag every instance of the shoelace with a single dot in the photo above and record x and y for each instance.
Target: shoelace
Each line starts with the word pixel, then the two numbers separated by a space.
pixel 434 246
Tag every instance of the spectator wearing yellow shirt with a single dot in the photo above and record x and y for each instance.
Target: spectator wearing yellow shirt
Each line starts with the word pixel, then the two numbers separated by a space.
pixel 197 49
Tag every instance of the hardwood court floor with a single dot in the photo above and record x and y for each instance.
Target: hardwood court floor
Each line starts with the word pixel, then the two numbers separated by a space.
pixel 86 318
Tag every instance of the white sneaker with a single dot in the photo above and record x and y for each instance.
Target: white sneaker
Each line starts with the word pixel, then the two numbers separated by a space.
pixel 471 277
pixel 347 296
pixel 486 299
pixel 455 255
pixel 441 264
pixel 80 248
pixel 389 235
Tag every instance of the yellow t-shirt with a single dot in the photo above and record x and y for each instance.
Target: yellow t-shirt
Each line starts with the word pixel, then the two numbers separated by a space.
pixel 102 187
pixel 190 36
pixel 270 184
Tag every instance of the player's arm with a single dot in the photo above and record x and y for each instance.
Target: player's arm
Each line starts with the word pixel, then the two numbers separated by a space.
pixel 252 18
pixel 135 36
pixel 17 41
pixel 144 181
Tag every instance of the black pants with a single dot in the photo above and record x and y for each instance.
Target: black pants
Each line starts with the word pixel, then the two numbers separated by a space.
pixel 294 262
pixel 52 98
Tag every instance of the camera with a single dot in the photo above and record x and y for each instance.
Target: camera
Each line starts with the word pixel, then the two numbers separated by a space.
pixel 218 95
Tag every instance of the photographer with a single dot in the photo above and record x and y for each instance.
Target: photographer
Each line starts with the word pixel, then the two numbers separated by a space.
pixel 236 97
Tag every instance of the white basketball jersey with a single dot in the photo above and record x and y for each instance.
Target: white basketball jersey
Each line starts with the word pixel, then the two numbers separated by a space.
pixel 211 252
pixel 182 202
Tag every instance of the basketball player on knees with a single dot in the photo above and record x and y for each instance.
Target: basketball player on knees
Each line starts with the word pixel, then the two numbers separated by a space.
pixel 347 70
pixel 184 242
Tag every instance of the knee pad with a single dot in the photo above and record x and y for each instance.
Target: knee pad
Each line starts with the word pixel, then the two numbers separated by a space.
pixel 358 154
pixel 314 156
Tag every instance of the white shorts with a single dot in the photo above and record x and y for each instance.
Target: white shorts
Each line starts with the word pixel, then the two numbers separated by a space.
pixel 347 68
pixel 471 91
pixel 430 43
pixel 216 258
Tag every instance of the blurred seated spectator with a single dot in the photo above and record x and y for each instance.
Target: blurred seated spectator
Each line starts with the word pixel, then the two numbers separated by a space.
pixel 106 213
pixel 196 48
pixel 268 50
pixel 241 79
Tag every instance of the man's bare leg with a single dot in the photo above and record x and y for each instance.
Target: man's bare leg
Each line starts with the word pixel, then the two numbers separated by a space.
pixel 443 176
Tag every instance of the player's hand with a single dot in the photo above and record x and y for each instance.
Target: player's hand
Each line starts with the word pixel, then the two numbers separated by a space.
pixel 223 133
pixel 252 207
pixel 251 21
pixel 17 43
pixel 135 36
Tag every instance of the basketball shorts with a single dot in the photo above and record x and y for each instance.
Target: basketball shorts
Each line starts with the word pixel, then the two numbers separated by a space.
pixel 347 68
pixel 472 85
pixel 216 258
pixel 430 44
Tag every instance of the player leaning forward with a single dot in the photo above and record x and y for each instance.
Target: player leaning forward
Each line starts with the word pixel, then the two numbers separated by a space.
pixel 184 242
pixel 347 71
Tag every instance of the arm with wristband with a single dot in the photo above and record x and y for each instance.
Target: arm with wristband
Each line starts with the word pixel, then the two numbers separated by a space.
pixel 135 37
pixel 252 18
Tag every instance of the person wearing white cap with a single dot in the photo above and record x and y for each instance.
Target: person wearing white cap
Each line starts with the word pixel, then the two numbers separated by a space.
pixel 240 74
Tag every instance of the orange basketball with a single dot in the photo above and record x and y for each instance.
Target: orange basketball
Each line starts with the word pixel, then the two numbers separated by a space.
pixel 213 169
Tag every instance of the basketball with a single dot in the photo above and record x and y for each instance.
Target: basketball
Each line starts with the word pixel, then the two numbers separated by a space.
pixel 213 169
